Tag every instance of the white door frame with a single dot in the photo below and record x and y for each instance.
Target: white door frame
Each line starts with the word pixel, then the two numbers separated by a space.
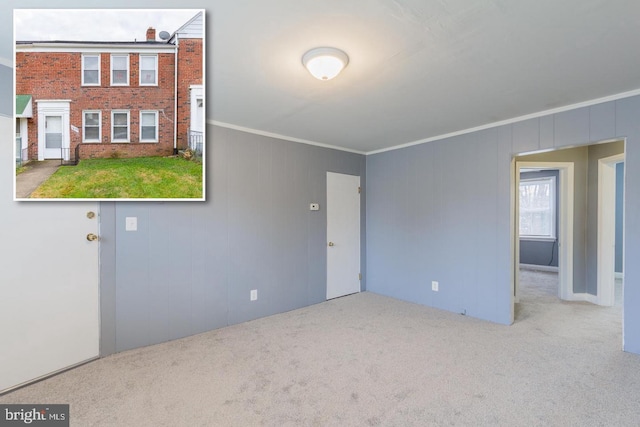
pixel 606 229
pixel 565 224
pixel 54 107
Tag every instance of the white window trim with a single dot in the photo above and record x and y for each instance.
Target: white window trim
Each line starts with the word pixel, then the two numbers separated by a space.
pixel 84 138
pixel 554 208
pixel 155 112
pixel 128 69
pixel 113 112
pixel 140 70
pixel 99 70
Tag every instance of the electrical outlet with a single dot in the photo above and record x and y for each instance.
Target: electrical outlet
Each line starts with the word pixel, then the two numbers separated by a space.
pixel 254 295
pixel 434 286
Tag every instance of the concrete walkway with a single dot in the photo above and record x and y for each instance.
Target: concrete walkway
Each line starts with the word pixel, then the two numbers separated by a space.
pixel 37 172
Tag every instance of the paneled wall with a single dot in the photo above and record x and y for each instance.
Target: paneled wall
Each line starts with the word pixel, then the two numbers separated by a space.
pixel 441 211
pixel 6 91
pixel 190 266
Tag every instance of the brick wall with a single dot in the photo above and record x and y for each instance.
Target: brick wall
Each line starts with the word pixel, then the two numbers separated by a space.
pixel 190 60
pixel 47 75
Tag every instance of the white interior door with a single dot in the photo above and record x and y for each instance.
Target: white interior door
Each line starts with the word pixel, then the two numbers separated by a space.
pixel 49 313
pixel 343 234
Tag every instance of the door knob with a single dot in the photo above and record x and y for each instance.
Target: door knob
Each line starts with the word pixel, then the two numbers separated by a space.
pixel 92 237
pixel 331 244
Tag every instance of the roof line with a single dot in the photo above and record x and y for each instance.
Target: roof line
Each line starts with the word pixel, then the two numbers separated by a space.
pixel 96 42
pixel 193 18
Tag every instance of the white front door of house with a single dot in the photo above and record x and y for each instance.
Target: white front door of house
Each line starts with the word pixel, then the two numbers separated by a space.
pixel 53 129
pixel 197 108
pixel 343 234
pixel 49 317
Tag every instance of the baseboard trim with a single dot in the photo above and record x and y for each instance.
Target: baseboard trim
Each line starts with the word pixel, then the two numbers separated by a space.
pixel 549 268
pixel 584 297
pixel 46 376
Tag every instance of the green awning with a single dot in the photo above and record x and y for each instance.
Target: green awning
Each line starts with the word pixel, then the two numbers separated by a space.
pixel 23 106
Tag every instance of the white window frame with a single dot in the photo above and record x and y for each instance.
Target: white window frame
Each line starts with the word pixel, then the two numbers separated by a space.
pixel 120 55
pixel 155 56
pixel 113 113
pixel 84 137
pixel 155 113
pixel 553 207
pixel 99 70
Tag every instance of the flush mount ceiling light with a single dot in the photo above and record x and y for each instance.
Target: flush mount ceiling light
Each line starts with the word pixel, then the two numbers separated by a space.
pixel 324 63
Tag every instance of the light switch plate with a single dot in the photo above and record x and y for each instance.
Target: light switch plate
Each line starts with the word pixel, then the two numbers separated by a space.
pixel 131 223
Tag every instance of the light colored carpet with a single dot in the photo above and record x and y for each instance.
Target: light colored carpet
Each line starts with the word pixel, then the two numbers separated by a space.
pixel 369 360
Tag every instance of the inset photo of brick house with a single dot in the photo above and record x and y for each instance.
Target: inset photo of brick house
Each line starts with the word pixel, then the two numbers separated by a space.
pixel 90 98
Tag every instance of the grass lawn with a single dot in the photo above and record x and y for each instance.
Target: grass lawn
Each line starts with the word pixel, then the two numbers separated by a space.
pixel 135 178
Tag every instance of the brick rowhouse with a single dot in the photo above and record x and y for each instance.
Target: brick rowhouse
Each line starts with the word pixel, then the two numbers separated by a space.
pixel 134 82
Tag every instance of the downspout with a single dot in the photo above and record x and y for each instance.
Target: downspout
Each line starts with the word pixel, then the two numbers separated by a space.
pixel 175 101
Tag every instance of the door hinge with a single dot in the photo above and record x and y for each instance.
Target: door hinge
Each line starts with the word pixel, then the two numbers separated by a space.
pixel 359 190
pixel 359 276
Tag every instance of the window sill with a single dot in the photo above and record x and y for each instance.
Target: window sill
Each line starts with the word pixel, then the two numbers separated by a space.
pixel 91 142
pixel 148 142
pixel 538 239
pixel 120 142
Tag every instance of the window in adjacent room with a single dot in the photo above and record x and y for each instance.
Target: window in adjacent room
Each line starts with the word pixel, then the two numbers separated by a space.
pixel 538 208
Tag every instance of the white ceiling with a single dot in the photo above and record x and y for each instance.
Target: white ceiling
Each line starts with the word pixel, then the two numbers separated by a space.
pixel 418 68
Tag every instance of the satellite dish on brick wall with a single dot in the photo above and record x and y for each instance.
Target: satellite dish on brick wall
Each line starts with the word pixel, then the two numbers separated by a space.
pixel 164 35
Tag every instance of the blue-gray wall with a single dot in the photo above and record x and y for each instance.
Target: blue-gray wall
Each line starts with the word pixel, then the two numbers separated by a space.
pixel 190 266
pixel 541 252
pixel 6 91
pixel 441 211
pixel 619 212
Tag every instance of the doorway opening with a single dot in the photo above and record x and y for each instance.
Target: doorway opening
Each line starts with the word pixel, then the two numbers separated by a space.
pixel 544 221
pixel 590 194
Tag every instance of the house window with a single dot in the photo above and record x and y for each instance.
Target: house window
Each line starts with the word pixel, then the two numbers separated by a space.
pixel 538 208
pixel 91 70
pixel 120 126
pixel 119 70
pixel 91 126
pixel 148 126
pixel 148 70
